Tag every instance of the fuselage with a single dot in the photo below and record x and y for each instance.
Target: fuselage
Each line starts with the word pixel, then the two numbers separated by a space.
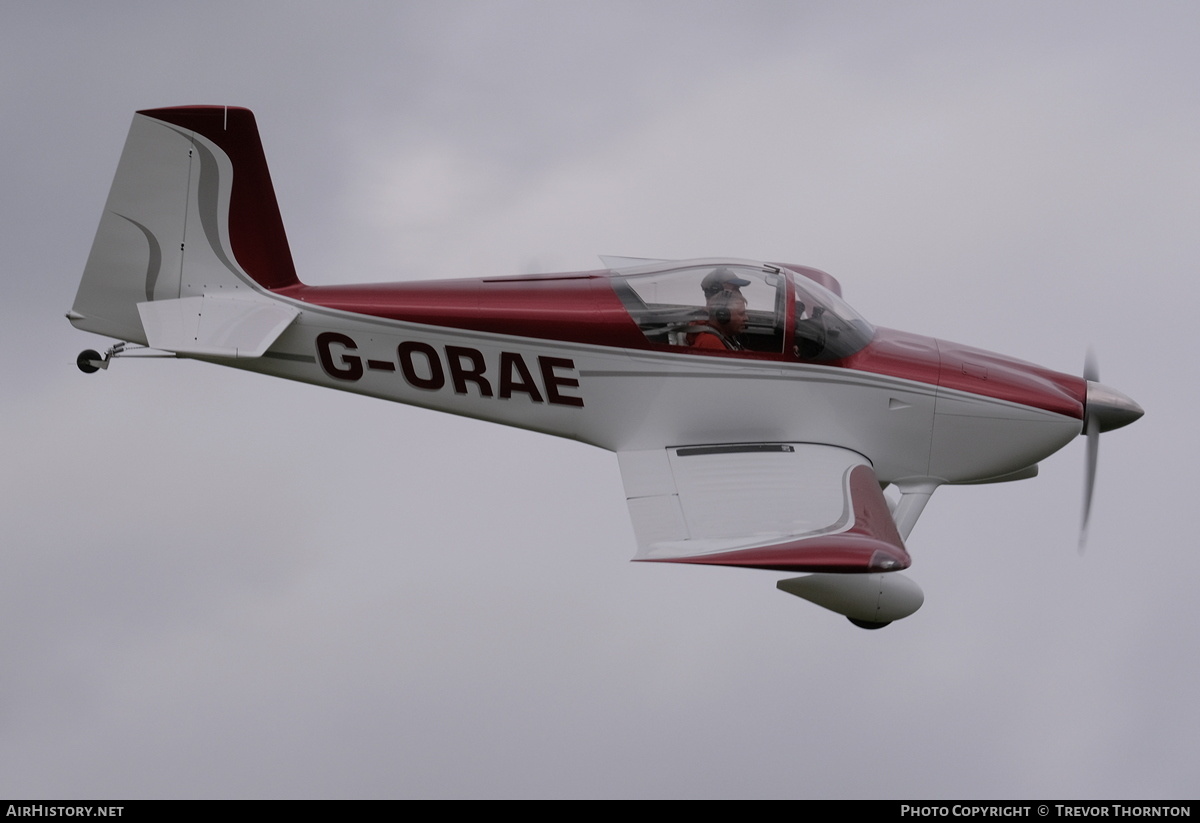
pixel 563 354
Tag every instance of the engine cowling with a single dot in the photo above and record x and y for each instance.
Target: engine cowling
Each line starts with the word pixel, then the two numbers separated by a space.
pixel 870 601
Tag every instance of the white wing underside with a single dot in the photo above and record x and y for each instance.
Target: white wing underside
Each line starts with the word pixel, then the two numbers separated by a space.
pixel 789 506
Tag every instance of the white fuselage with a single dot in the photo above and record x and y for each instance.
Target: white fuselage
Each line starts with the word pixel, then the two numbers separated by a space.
pixel 622 399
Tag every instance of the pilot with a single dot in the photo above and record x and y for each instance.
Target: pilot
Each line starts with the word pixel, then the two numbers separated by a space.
pixel 726 318
pixel 726 310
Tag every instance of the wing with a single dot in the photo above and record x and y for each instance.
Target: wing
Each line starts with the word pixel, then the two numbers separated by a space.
pixel 798 507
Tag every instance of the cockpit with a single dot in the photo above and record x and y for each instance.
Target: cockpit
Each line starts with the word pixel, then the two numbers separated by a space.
pixel 733 306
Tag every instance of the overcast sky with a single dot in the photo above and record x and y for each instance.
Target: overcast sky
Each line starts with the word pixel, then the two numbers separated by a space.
pixel 215 584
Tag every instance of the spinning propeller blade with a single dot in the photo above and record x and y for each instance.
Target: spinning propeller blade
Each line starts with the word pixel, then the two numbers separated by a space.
pixel 1106 409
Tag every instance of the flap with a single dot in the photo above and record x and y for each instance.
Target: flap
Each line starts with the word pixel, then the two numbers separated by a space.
pixel 784 506
pixel 215 325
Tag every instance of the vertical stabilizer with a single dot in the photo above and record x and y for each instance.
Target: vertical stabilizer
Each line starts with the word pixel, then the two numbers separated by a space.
pixel 191 212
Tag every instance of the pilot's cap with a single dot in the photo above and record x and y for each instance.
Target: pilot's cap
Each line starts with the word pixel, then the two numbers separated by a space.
pixel 720 280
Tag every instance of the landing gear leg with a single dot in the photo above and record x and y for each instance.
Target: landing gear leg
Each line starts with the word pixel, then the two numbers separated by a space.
pixel 91 361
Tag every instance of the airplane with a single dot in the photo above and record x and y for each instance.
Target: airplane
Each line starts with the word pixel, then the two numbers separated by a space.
pixel 756 417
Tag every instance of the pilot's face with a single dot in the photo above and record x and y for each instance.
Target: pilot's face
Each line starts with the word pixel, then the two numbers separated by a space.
pixel 737 315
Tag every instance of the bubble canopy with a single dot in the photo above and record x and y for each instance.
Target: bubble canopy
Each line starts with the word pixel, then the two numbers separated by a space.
pixel 690 304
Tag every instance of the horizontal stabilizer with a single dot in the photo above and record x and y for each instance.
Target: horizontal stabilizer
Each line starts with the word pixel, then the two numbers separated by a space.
pixel 215 325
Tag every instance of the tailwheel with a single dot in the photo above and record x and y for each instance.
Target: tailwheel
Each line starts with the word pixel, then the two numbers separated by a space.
pixel 91 361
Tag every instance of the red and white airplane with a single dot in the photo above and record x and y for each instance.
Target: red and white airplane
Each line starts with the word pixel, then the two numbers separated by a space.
pixel 757 417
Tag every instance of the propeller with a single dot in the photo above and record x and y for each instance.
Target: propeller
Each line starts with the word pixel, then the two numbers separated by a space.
pixel 1091 430
pixel 1106 409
